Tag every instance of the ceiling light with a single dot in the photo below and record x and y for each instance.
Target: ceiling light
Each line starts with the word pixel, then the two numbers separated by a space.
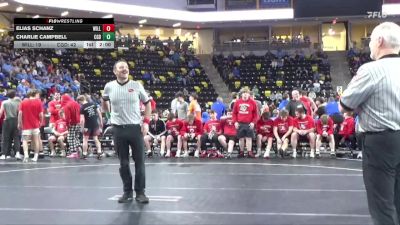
pixel 3 4
pixel 108 16
pixel 162 13
pixel 65 13
pixel 390 9
pixel 35 17
pixel 142 21
pixel 176 25
pixel 19 9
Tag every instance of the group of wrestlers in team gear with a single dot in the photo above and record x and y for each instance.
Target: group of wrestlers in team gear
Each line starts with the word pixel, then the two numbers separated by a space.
pixel 242 124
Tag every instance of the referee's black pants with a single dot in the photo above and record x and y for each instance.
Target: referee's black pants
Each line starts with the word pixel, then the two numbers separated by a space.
pixel 381 172
pixel 10 134
pixel 125 136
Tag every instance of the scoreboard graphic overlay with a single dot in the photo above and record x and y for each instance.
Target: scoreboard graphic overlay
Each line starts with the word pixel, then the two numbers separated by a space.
pixel 64 33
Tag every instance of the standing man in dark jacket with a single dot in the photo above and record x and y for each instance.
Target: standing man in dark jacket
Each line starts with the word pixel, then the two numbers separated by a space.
pixel 10 131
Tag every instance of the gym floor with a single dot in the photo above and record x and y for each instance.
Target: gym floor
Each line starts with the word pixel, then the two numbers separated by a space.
pixel 186 191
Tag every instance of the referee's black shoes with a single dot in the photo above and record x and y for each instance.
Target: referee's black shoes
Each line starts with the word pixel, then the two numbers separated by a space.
pixel 142 198
pixel 126 197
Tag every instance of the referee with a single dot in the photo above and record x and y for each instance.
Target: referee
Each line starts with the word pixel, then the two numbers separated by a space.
pixel 125 96
pixel 374 94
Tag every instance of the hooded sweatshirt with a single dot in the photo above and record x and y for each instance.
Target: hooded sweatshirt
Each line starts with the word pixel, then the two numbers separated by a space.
pixel 72 110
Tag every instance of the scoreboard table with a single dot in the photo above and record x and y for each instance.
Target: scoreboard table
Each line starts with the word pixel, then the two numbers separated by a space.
pixel 87 33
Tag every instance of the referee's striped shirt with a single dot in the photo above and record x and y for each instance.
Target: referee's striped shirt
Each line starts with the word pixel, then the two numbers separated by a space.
pixel 375 94
pixel 125 101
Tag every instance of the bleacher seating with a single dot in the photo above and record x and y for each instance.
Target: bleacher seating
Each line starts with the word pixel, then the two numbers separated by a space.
pixel 355 59
pixel 99 70
pixel 257 70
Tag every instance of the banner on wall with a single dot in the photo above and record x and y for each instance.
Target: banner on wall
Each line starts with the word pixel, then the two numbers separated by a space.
pixel 240 4
pixel 275 3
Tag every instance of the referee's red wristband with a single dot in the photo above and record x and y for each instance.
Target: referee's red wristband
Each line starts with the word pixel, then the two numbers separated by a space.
pixel 146 120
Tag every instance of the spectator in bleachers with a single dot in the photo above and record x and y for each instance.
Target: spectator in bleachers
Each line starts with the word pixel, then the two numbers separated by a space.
pixel 156 131
pixel 283 128
pixel 60 131
pixel 182 107
pixel 92 123
pixel 320 109
pixel 192 130
pixel 147 77
pixel 332 107
pixel 258 103
pixel 324 94
pixel 7 67
pixel 219 107
pixel 22 76
pixel 212 131
pixel 194 107
pixel 54 109
pixel 10 133
pixel 303 130
pixel 72 111
pixel 173 127
pixel 325 128
pixel 177 43
pixel 174 104
pixel 29 120
pixel 236 72
pixel 346 134
pixel 234 97
pixel 278 97
pixel 294 103
pixel 308 103
pixel 23 88
pixel 255 91
pixel 264 128
pixel 205 116
pixel 316 86
pixel 245 116
pixel 284 101
pixel 84 85
pixel 170 42
pixel 229 133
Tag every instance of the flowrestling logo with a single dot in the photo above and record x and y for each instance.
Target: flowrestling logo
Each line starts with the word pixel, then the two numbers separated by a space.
pixel 376 15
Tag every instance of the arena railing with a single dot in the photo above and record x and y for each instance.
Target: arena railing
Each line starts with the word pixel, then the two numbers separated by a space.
pixel 256 46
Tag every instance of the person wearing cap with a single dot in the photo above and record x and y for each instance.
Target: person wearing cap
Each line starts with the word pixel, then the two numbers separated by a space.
pixel 245 116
